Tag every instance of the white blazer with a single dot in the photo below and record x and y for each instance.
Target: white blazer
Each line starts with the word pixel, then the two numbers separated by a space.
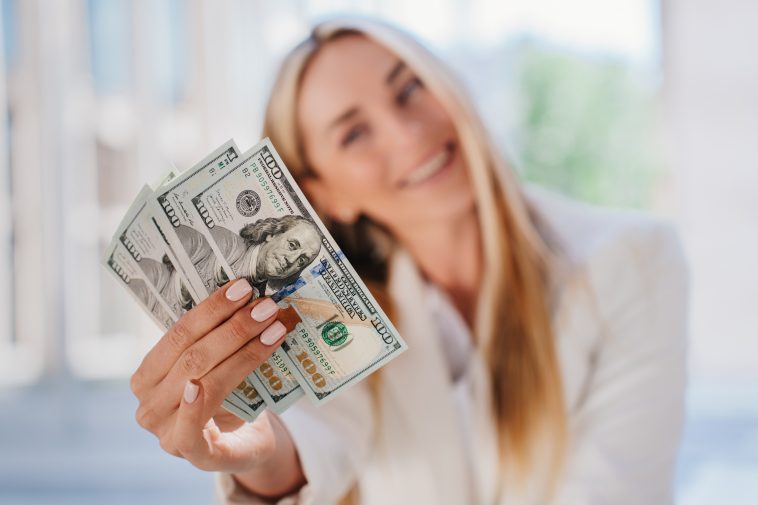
pixel 621 348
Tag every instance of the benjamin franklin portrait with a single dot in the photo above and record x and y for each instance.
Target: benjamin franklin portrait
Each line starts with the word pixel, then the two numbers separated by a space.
pixel 271 253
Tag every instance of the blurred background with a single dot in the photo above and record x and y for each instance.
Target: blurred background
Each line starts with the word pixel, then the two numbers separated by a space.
pixel 644 104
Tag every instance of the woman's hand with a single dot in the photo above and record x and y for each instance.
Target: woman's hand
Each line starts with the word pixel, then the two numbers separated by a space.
pixel 183 380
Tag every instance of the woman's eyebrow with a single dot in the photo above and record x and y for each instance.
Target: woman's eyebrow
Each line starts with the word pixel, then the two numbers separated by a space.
pixel 399 66
pixel 352 111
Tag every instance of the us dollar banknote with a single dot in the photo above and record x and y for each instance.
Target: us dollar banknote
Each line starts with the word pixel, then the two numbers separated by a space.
pixel 142 239
pixel 119 262
pixel 244 401
pixel 184 231
pixel 266 231
pixel 180 225
pixel 142 260
pixel 233 216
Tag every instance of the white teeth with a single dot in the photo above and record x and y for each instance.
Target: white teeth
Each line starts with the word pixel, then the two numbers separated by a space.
pixel 429 168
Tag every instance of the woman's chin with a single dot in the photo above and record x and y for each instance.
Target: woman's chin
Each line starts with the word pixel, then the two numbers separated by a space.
pixel 448 199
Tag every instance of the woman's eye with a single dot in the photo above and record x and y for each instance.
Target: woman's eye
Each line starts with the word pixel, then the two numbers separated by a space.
pixel 352 135
pixel 407 90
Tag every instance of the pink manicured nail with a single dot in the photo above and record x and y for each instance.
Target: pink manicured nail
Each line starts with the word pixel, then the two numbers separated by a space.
pixel 238 290
pixel 190 391
pixel 273 333
pixel 264 309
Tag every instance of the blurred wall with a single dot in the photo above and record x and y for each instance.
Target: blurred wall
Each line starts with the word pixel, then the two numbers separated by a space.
pixel 711 96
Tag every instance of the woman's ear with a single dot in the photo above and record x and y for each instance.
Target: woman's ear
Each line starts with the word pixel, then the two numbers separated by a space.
pixel 324 199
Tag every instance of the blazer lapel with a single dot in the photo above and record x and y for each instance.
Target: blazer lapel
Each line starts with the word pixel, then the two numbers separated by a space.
pixel 420 387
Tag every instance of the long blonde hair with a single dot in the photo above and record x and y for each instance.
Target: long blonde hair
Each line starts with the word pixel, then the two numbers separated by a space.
pixel 513 320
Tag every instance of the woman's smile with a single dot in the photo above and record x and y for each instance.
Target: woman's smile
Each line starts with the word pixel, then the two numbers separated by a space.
pixel 432 170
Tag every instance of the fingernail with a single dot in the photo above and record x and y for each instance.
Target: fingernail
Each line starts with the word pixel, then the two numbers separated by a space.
pixel 238 290
pixel 264 309
pixel 190 391
pixel 273 333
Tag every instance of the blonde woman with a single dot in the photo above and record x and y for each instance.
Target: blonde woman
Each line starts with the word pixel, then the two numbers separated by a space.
pixel 546 338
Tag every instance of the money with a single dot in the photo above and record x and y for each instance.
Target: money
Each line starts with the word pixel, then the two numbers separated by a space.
pixel 244 401
pixel 242 216
pixel 120 264
pixel 162 287
pixel 186 235
pixel 266 231
pixel 180 225
pixel 142 239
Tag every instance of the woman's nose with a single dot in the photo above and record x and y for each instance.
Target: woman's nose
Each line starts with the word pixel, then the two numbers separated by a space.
pixel 405 129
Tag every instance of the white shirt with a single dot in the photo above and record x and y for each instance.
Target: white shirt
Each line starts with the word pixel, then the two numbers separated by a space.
pixel 458 349
pixel 457 343
pixel 620 336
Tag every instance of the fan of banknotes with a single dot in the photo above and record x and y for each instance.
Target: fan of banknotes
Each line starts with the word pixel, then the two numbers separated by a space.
pixel 239 215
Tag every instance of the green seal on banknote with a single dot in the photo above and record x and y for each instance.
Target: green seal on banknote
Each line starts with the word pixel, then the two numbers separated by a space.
pixel 334 333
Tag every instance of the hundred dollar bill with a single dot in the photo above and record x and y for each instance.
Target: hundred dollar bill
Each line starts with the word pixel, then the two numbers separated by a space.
pixel 140 236
pixel 140 260
pixel 273 379
pixel 180 226
pixel 244 401
pixel 267 232
pixel 121 265
pixel 166 177
pixel 183 229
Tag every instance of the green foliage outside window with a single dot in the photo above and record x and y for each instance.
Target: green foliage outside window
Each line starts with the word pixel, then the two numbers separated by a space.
pixel 587 127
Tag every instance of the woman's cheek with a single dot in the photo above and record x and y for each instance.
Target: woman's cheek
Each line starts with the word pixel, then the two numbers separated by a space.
pixel 363 179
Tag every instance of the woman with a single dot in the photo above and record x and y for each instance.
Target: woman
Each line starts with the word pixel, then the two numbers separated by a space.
pixel 545 360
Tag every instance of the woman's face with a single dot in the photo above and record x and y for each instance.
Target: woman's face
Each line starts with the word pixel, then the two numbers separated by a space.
pixel 380 142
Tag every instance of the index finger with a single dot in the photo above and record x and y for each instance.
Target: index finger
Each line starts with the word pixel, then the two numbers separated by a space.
pixel 191 327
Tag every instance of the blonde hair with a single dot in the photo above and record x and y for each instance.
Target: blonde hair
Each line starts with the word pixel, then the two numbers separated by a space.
pixel 513 320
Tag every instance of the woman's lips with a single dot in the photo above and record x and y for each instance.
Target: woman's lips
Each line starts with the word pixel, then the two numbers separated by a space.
pixel 430 168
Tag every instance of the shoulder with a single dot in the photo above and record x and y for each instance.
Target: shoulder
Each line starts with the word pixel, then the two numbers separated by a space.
pixel 626 282
pixel 616 247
